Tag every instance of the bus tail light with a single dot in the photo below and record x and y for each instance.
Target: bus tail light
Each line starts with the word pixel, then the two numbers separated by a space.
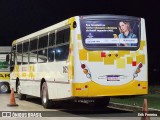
pixel 83 66
pixel 138 70
pixel 140 65
pixel 88 75
pixel 86 71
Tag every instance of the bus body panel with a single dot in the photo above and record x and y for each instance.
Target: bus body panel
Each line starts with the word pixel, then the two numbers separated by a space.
pixel 31 75
pixel 102 67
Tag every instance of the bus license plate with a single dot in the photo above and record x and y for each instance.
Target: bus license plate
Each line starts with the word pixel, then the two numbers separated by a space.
pixel 113 78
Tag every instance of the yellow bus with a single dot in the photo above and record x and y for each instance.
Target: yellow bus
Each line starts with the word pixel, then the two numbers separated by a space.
pixel 90 57
pixel 4 69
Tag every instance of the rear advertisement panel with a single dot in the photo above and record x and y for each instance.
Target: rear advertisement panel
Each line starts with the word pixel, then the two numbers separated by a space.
pixel 110 34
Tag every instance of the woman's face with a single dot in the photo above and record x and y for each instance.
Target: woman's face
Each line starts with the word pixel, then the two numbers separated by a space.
pixel 123 27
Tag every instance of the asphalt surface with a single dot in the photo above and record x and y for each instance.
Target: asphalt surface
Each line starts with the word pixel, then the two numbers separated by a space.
pixel 62 110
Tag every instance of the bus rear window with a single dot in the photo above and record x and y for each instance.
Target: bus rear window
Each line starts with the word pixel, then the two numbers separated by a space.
pixel 110 34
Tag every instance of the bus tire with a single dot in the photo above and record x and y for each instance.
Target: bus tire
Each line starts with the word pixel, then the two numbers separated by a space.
pixel 20 95
pixel 44 96
pixel 101 102
pixel 4 87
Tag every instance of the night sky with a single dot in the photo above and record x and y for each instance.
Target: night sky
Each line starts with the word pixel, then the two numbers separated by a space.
pixel 22 17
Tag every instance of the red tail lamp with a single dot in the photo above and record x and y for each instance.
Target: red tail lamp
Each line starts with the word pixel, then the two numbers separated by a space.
pixel 140 65
pixel 83 66
pixel 138 70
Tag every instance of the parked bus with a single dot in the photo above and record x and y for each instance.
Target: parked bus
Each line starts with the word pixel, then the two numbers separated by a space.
pixel 4 69
pixel 89 57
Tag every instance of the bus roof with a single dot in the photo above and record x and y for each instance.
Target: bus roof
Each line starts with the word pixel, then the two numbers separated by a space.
pixel 43 31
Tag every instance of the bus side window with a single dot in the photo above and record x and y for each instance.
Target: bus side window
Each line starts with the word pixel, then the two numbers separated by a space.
pixel 33 44
pixel 67 35
pixel 42 56
pixel 51 39
pixel 62 52
pixel 33 57
pixel 19 54
pixel 43 42
pixel 33 51
pixel 12 61
pixel 51 52
pixel 25 53
pixel 60 37
pixel 63 36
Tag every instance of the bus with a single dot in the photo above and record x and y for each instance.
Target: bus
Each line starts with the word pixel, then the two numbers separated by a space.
pixel 90 57
pixel 4 69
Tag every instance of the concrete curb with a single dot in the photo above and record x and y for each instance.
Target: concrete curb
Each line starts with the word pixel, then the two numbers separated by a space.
pixel 129 107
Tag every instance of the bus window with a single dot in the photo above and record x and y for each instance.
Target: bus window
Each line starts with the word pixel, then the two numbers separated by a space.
pixel 51 52
pixel 12 61
pixel 19 54
pixel 42 56
pixel 61 52
pixel 13 50
pixel 33 57
pixel 33 44
pixel 25 58
pixel 19 48
pixel 25 47
pixel 60 37
pixel 66 35
pixel 43 42
pixel 63 36
pixel 25 53
pixel 51 39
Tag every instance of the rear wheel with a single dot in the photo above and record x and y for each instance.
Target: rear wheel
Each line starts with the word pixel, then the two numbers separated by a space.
pixel 44 96
pixel 20 95
pixel 4 87
pixel 101 102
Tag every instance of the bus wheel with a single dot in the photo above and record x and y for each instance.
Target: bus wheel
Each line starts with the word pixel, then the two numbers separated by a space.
pixel 44 96
pixel 20 95
pixel 101 102
pixel 4 87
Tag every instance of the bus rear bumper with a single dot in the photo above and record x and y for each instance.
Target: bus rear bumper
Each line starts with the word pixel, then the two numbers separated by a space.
pixel 92 89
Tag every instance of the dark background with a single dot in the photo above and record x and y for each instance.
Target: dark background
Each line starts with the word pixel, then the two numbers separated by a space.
pixel 22 17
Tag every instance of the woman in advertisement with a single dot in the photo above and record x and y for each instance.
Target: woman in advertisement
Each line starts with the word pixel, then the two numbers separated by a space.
pixel 126 32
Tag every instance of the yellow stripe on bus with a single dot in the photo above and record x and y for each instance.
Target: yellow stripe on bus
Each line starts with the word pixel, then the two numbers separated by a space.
pixel 95 89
